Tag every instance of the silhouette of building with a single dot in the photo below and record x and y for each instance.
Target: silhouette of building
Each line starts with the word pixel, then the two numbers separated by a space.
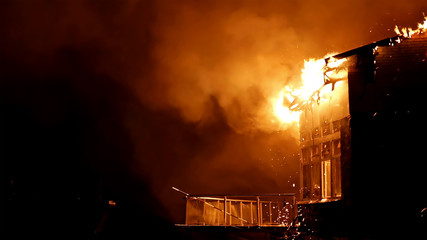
pixel 363 145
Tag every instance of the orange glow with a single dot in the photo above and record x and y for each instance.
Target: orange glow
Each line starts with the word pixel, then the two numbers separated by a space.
pixel 317 78
pixel 283 113
pixel 408 32
pixel 312 78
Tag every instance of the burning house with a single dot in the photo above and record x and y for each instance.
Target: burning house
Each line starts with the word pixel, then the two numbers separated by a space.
pixel 362 123
pixel 362 137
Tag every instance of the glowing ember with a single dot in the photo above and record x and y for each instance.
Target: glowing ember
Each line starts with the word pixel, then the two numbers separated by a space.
pixel 408 32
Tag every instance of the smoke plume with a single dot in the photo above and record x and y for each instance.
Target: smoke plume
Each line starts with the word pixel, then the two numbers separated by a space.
pixel 146 95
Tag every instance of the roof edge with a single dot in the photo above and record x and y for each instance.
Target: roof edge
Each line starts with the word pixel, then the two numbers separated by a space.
pixel 384 42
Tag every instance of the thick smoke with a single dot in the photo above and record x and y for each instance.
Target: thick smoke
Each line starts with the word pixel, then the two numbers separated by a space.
pixel 242 53
pixel 228 53
pixel 166 92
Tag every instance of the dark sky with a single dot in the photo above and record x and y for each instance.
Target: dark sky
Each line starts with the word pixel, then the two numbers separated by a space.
pixel 145 95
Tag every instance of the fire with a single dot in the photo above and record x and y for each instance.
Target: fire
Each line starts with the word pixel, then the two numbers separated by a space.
pixel 312 78
pixel 408 32
pixel 283 113
pixel 318 78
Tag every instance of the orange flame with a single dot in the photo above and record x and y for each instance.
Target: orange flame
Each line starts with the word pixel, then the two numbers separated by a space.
pixel 283 113
pixel 316 75
pixel 318 78
pixel 408 32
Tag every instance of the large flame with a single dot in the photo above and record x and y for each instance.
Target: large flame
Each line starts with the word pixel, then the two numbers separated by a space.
pixel 408 32
pixel 317 78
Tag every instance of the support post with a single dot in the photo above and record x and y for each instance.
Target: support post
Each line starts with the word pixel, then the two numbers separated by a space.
pixel 252 215
pixel 225 210
pixel 259 210
pixel 294 207
pixel 241 213
pixel 187 211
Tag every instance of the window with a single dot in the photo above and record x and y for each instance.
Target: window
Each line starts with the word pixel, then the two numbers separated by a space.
pixel 326 179
pixel 306 181
pixel 336 126
pixel 336 147
pixel 305 136
pixel 306 155
pixel 321 169
pixel 316 133
pixel 316 152
pixel 326 150
pixel 326 170
pixel 326 129
pixel 336 177
pixel 315 173
pixel 306 161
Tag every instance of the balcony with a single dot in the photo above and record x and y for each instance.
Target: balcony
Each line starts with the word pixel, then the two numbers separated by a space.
pixel 269 210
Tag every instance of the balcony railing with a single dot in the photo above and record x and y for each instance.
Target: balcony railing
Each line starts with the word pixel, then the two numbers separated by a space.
pixel 240 210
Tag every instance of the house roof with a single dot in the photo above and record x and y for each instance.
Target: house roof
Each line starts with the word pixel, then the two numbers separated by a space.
pixel 384 42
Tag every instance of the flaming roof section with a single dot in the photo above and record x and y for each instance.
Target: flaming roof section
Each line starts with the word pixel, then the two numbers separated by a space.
pixel 298 104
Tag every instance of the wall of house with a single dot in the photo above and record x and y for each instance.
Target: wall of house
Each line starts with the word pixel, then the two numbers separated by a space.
pixel 320 127
pixel 383 146
pixel 388 108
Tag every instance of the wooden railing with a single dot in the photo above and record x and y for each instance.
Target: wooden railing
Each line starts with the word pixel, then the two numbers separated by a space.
pixel 240 210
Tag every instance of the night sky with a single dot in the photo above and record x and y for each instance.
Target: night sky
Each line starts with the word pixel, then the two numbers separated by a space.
pixel 120 100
